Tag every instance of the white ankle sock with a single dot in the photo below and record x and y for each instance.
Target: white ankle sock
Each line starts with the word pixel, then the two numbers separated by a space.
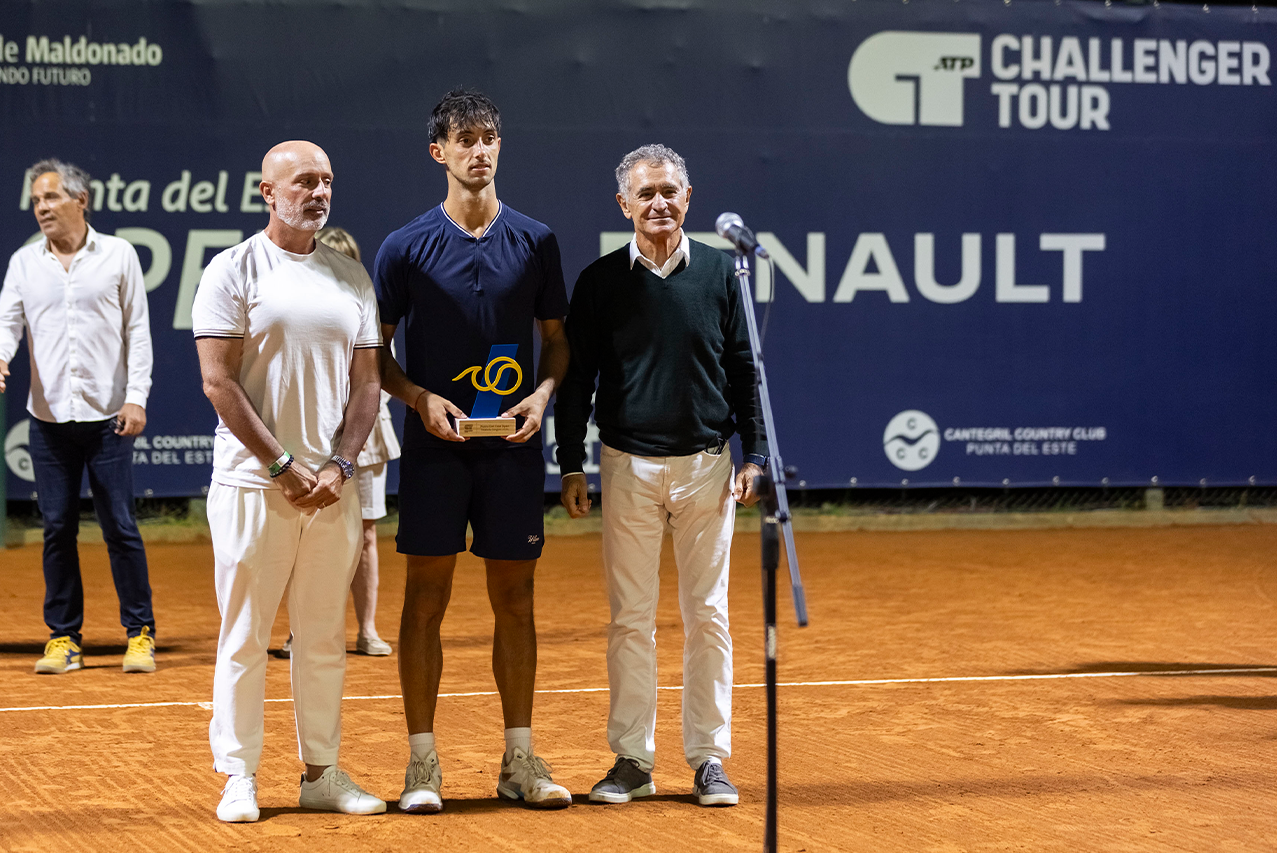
pixel 421 744
pixel 521 737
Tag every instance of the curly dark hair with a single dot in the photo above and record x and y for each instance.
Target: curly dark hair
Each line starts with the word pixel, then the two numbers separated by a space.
pixel 461 109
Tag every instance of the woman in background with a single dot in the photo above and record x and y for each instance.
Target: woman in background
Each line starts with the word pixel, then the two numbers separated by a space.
pixel 370 475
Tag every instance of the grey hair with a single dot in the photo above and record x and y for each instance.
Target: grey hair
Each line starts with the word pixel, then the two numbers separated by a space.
pixel 74 179
pixel 654 155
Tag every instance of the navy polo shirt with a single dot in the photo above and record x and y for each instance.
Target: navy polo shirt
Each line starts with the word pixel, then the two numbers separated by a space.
pixel 461 296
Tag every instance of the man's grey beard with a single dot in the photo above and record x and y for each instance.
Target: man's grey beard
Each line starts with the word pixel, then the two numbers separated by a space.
pixel 293 215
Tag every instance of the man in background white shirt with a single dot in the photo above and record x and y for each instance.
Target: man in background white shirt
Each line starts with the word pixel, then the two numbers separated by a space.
pixel 81 298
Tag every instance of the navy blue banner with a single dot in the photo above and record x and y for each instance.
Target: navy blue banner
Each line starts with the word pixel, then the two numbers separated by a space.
pixel 1014 244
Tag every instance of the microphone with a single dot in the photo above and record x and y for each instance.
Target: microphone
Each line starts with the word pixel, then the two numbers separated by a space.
pixel 731 228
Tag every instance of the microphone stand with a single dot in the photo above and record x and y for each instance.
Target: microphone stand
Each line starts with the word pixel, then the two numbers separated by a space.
pixel 776 522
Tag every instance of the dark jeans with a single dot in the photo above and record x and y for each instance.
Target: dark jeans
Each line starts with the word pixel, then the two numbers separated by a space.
pixel 59 454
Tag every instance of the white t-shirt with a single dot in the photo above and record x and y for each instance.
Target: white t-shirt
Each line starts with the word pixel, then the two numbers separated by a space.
pixel 301 318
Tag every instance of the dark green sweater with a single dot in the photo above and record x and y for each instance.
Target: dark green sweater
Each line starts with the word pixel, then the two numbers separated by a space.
pixel 671 358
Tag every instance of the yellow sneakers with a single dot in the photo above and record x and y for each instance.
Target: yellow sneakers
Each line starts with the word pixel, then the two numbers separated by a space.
pixel 140 656
pixel 61 654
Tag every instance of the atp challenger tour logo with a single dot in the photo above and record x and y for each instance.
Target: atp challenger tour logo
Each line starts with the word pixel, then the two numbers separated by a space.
pixel 911 440
pixel 913 78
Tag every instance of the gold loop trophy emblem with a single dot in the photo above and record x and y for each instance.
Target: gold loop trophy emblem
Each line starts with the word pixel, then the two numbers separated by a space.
pixel 487 379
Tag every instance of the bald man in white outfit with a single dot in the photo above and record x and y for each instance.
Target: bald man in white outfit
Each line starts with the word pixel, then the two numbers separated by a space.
pixel 288 339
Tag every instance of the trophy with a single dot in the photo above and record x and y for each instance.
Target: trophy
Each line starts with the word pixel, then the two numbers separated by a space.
pixel 488 380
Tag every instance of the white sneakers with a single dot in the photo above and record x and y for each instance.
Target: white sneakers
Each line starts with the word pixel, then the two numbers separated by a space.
pixel 335 792
pixel 421 783
pixel 239 800
pixel 375 646
pixel 526 777
pixel 523 777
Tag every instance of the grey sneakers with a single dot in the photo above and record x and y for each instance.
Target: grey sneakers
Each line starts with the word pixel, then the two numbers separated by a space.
pixel 624 782
pixel 711 787
pixel 627 781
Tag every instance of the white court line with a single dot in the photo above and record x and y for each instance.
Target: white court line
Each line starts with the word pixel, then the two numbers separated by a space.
pixel 862 682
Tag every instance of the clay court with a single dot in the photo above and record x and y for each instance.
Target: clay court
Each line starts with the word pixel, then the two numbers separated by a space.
pixel 1071 690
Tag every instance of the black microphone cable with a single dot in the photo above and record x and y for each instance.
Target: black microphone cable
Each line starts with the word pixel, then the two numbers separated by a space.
pixel 767 312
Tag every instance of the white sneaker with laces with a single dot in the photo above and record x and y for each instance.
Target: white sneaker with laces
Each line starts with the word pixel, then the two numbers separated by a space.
pixel 375 646
pixel 239 800
pixel 526 777
pixel 421 783
pixel 334 791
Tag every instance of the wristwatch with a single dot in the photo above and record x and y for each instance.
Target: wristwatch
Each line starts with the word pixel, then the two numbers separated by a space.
pixel 347 467
pixel 760 461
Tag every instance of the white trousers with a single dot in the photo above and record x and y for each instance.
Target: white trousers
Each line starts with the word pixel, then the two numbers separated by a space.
pixel 692 497
pixel 260 541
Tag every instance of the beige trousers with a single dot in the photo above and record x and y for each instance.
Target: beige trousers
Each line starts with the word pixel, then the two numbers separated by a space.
pixel 642 498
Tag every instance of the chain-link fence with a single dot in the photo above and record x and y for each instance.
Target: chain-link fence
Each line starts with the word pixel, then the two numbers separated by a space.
pixel 1050 499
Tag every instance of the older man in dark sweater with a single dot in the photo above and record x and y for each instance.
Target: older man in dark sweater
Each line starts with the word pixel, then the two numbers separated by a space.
pixel 661 327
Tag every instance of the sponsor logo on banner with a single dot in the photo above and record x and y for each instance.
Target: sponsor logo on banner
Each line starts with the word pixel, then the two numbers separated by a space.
pixel 44 60
pixel 1024 440
pixel 17 451
pixel 918 78
pixel 173 450
pixel 911 440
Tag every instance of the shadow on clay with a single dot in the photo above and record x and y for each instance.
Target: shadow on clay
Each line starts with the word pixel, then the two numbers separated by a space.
pixel 1241 703
pixel 956 790
pixel 1247 670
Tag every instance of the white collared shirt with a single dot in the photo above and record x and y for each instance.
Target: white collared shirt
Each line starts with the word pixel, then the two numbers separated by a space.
pixel 682 253
pixel 88 329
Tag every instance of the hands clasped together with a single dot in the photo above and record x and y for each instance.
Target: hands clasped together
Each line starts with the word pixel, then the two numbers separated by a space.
pixel 307 490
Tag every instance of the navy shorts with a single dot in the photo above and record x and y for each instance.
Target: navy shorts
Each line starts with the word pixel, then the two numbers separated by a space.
pixel 499 491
